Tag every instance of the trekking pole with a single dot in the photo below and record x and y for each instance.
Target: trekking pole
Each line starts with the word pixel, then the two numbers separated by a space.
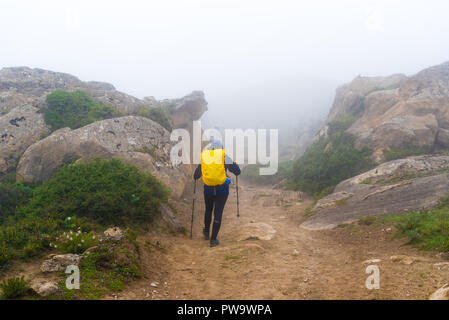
pixel 237 189
pixel 193 209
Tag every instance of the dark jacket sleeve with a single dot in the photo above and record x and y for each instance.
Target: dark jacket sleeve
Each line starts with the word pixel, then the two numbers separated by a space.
pixel 197 173
pixel 232 166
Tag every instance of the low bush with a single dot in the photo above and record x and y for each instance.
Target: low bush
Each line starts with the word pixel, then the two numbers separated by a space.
pixel 88 195
pixel 428 230
pixel 404 152
pixel 12 195
pixel 14 288
pixel 74 110
pixel 157 114
pixel 26 237
pixel 108 192
pixel 329 161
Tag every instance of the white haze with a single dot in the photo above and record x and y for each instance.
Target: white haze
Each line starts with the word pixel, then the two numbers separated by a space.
pixel 260 63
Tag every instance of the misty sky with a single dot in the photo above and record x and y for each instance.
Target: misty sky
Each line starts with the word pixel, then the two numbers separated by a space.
pixel 250 57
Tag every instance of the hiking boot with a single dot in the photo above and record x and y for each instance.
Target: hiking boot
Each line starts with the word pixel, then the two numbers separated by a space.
pixel 214 243
pixel 206 234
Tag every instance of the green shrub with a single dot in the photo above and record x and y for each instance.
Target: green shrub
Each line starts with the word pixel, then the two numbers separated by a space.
pixel 8 201
pixel 366 181
pixel 14 288
pixel 157 114
pixel 332 159
pixel 6 255
pixel 12 195
pixel 404 152
pixel 74 110
pixel 367 220
pixel 340 125
pixel 329 161
pixel 25 237
pixel 428 230
pixel 108 192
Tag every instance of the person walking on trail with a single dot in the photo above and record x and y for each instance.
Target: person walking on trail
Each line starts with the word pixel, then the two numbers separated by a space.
pixel 213 169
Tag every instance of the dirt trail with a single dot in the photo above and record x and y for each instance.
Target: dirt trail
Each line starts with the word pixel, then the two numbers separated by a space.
pixel 295 264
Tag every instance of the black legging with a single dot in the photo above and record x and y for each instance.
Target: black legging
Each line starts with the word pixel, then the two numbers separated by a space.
pixel 219 201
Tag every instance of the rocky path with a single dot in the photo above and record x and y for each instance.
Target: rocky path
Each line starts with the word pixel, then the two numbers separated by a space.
pixel 290 263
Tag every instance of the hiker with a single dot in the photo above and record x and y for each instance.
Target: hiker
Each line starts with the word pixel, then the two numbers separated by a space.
pixel 213 169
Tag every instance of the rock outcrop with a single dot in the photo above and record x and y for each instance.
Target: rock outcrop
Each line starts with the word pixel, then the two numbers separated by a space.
pixel 349 97
pixel 189 109
pixel 19 129
pixel 171 218
pixel 394 187
pixel 23 85
pixel 22 95
pixel 397 112
pixel 138 140
pixel 27 146
pixel 20 85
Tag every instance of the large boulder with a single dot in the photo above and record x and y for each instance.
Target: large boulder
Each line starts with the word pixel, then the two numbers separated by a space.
pixel 394 187
pixel 138 140
pixel 19 129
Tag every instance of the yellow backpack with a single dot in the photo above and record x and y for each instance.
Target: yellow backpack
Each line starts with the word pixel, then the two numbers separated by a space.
pixel 213 167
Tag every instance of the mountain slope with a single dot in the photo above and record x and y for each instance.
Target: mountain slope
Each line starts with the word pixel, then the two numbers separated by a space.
pixel 392 118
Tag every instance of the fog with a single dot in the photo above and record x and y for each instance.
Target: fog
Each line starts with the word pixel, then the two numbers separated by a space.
pixel 260 63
